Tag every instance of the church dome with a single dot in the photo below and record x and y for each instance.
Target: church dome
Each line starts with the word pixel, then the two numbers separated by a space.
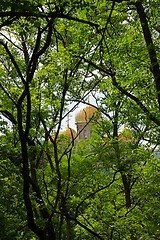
pixel 84 115
pixel 70 133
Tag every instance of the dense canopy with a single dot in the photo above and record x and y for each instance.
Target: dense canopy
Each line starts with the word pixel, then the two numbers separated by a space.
pixel 55 55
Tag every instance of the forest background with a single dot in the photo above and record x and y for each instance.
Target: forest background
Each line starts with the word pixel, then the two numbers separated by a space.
pixel 54 53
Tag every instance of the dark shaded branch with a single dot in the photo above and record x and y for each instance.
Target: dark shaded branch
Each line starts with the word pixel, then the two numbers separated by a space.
pixel 9 40
pixel 21 98
pixel 131 209
pixel 16 15
pixel 28 114
pixel 9 116
pixel 9 21
pixel 68 17
pixel 95 192
pixel 48 39
pixel 127 190
pixel 37 53
pixel 13 60
pixel 101 69
pixel 137 100
pixel 85 227
pixel 25 51
pixel 8 95
pixel 25 170
pixel 110 72
pixel 150 46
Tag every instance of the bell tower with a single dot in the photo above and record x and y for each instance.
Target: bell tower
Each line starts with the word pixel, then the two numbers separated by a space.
pixel 83 121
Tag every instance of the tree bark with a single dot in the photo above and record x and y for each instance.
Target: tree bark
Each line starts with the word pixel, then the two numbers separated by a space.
pixel 150 46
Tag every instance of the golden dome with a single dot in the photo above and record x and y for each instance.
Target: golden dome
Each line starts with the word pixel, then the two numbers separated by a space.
pixel 84 115
pixel 70 133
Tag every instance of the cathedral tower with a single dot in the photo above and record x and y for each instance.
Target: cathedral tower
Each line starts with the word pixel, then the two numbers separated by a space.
pixel 83 121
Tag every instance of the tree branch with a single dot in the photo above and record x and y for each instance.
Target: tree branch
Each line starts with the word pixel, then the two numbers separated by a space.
pixel 150 46
pixel 94 193
pixel 135 99
pixel 13 60
pixel 9 116
pixel 16 15
pixel 110 72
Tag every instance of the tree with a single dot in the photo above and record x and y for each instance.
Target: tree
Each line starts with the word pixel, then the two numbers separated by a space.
pixel 29 49
pixel 53 53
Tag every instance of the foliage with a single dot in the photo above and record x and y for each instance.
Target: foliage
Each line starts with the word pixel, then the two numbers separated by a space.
pixel 52 54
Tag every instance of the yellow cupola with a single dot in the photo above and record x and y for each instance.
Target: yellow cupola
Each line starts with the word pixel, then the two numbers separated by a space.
pixel 71 133
pixel 86 114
